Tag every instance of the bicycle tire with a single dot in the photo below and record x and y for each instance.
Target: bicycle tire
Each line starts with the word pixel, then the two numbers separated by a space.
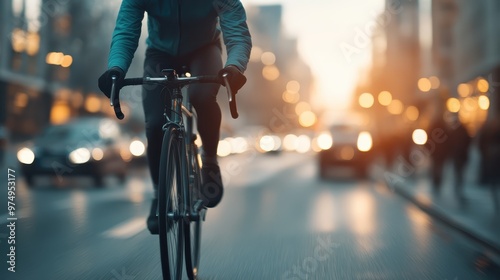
pixel 192 229
pixel 170 200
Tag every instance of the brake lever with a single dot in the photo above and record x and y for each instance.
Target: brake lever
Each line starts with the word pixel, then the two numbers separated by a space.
pixel 116 107
pixel 228 87
pixel 113 94
pixel 231 96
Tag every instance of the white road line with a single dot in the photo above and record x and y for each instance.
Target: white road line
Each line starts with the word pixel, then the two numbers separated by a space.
pixel 127 229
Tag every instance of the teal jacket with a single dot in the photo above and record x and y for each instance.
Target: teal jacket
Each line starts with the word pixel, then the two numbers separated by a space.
pixel 179 27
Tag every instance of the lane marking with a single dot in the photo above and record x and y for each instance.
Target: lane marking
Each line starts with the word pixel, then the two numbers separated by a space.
pixel 127 229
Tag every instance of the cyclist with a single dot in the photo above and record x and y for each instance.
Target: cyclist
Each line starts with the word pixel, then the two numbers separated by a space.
pixel 182 33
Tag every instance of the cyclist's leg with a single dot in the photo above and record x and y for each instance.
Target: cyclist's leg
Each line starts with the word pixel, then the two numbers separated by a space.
pixel 208 61
pixel 153 104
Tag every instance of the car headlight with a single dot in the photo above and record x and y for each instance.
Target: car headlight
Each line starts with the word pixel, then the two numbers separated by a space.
pixel 419 136
pixel 137 148
pixel 270 143
pixel 26 156
pixel 325 141
pixel 365 141
pixel 79 156
pixel 224 148
pixel 97 154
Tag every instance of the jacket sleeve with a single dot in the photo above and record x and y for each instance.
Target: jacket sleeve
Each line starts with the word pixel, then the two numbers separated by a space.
pixel 235 32
pixel 126 34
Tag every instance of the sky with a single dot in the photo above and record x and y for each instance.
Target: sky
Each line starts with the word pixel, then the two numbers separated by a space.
pixel 329 34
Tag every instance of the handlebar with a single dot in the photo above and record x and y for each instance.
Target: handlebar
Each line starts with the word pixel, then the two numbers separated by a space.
pixel 178 82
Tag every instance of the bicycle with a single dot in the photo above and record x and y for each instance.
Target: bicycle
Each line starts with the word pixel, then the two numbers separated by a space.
pixel 180 206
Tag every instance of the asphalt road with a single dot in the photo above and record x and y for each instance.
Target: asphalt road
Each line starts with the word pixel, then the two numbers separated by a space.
pixel 277 221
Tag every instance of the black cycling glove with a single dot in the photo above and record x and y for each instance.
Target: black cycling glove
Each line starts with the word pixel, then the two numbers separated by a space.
pixel 235 77
pixel 104 81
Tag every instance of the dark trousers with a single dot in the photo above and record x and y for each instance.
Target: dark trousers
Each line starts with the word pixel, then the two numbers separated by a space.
pixel 205 61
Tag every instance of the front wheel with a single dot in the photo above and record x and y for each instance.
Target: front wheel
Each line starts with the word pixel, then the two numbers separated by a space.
pixel 170 209
pixel 192 229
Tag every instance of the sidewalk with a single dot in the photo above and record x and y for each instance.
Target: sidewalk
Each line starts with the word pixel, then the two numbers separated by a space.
pixel 475 217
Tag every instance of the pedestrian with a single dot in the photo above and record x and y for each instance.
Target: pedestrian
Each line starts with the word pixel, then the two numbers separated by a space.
pixel 460 141
pixel 440 152
pixel 489 144
pixel 183 33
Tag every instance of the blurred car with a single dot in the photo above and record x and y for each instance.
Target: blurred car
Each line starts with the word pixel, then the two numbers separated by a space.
pixel 87 146
pixel 347 143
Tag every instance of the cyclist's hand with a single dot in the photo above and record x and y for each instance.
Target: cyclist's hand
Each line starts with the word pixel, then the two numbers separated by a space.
pixel 235 77
pixel 104 81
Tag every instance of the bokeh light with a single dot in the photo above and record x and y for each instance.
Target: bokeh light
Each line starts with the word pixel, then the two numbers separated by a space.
pixel 464 90
pixel 435 82
pixel 268 58
pixel 291 97
pixel 303 144
pixel 483 102
pixel 92 104
pixel 396 107
pixel 293 86
pixel 366 100
pixel 424 84
pixel 384 98
pixel 302 107
pixel 419 136
pixel 60 112
pixel 224 148
pixel 325 141
pixel 290 142
pixel 270 72
pixel 453 105
pixel 483 86
pixel 412 113
pixel 307 119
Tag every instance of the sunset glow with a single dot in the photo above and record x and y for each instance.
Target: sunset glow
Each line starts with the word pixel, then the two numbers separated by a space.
pixel 333 38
